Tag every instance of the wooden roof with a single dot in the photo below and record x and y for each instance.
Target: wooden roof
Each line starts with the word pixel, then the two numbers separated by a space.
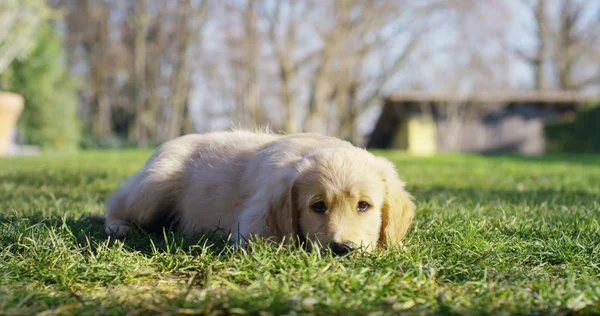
pixel 496 97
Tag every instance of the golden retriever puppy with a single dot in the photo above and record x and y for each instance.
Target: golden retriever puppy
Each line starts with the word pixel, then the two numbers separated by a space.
pixel 286 187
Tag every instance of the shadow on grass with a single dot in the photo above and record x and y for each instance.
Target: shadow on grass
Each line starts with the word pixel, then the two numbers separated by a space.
pixel 89 229
pixel 86 228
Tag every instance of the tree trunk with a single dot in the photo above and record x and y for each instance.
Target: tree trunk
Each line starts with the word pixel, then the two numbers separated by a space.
pixel 139 128
pixel 566 41
pixel 188 124
pixel 319 98
pixel 181 80
pixel 353 113
pixel 252 98
pixel 289 106
pixel 101 121
pixel 538 62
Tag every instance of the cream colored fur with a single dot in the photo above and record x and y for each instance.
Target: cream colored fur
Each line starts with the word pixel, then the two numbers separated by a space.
pixel 262 184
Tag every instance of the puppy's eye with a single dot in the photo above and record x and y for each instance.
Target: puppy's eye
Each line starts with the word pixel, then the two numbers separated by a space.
pixel 319 207
pixel 363 206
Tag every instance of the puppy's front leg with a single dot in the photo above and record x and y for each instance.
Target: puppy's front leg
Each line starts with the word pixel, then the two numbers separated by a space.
pixel 117 221
pixel 251 224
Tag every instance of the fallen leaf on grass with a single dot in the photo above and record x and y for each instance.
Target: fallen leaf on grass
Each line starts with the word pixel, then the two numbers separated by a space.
pixel 310 302
pixel 57 310
pixel 404 306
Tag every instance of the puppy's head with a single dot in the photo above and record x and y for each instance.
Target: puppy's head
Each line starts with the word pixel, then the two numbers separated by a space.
pixel 344 199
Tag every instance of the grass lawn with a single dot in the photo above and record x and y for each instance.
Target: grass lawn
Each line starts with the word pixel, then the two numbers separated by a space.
pixel 497 235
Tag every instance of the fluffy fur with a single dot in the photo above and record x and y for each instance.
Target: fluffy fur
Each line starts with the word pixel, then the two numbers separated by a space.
pixel 262 184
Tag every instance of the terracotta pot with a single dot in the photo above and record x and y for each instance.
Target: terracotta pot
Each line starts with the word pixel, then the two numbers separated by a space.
pixel 11 105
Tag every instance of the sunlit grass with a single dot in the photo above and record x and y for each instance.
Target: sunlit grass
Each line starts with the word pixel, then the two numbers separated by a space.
pixel 502 234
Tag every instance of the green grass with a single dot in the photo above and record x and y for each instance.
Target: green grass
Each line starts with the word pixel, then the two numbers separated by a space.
pixel 493 235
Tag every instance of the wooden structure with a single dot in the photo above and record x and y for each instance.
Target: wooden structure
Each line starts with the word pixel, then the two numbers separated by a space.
pixel 423 123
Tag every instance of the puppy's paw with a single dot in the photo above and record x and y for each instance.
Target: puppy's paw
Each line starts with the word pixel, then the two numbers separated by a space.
pixel 237 241
pixel 118 229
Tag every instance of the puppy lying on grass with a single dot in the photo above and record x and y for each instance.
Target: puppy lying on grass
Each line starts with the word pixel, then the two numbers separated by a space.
pixel 286 187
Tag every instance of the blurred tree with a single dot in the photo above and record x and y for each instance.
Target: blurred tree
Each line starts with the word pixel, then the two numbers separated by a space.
pixel 244 58
pixel 50 117
pixel 566 54
pixel 283 36
pixel 327 55
pixel 536 59
pixel 97 57
pixel 577 45
pixel 135 57
pixel 19 20
pixel 309 65
pixel 158 38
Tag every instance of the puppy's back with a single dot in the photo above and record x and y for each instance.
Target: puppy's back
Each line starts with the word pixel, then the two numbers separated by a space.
pixel 195 164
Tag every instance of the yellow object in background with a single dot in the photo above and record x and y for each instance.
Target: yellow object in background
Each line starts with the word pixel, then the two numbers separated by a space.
pixel 422 136
pixel 417 136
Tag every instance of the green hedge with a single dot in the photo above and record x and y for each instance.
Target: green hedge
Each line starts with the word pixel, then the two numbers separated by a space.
pixel 580 135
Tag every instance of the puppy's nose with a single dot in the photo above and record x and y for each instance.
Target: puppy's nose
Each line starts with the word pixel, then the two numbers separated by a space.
pixel 342 248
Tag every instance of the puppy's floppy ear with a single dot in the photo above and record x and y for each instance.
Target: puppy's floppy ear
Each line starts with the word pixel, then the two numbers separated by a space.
pixel 398 209
pixel 282 216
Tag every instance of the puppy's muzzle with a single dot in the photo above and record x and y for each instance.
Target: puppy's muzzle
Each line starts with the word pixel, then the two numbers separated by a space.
pixel 342 248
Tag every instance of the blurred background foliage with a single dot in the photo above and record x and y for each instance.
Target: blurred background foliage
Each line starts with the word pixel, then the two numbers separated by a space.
pixel 33 64
pixel 50 118
pixel 108 73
